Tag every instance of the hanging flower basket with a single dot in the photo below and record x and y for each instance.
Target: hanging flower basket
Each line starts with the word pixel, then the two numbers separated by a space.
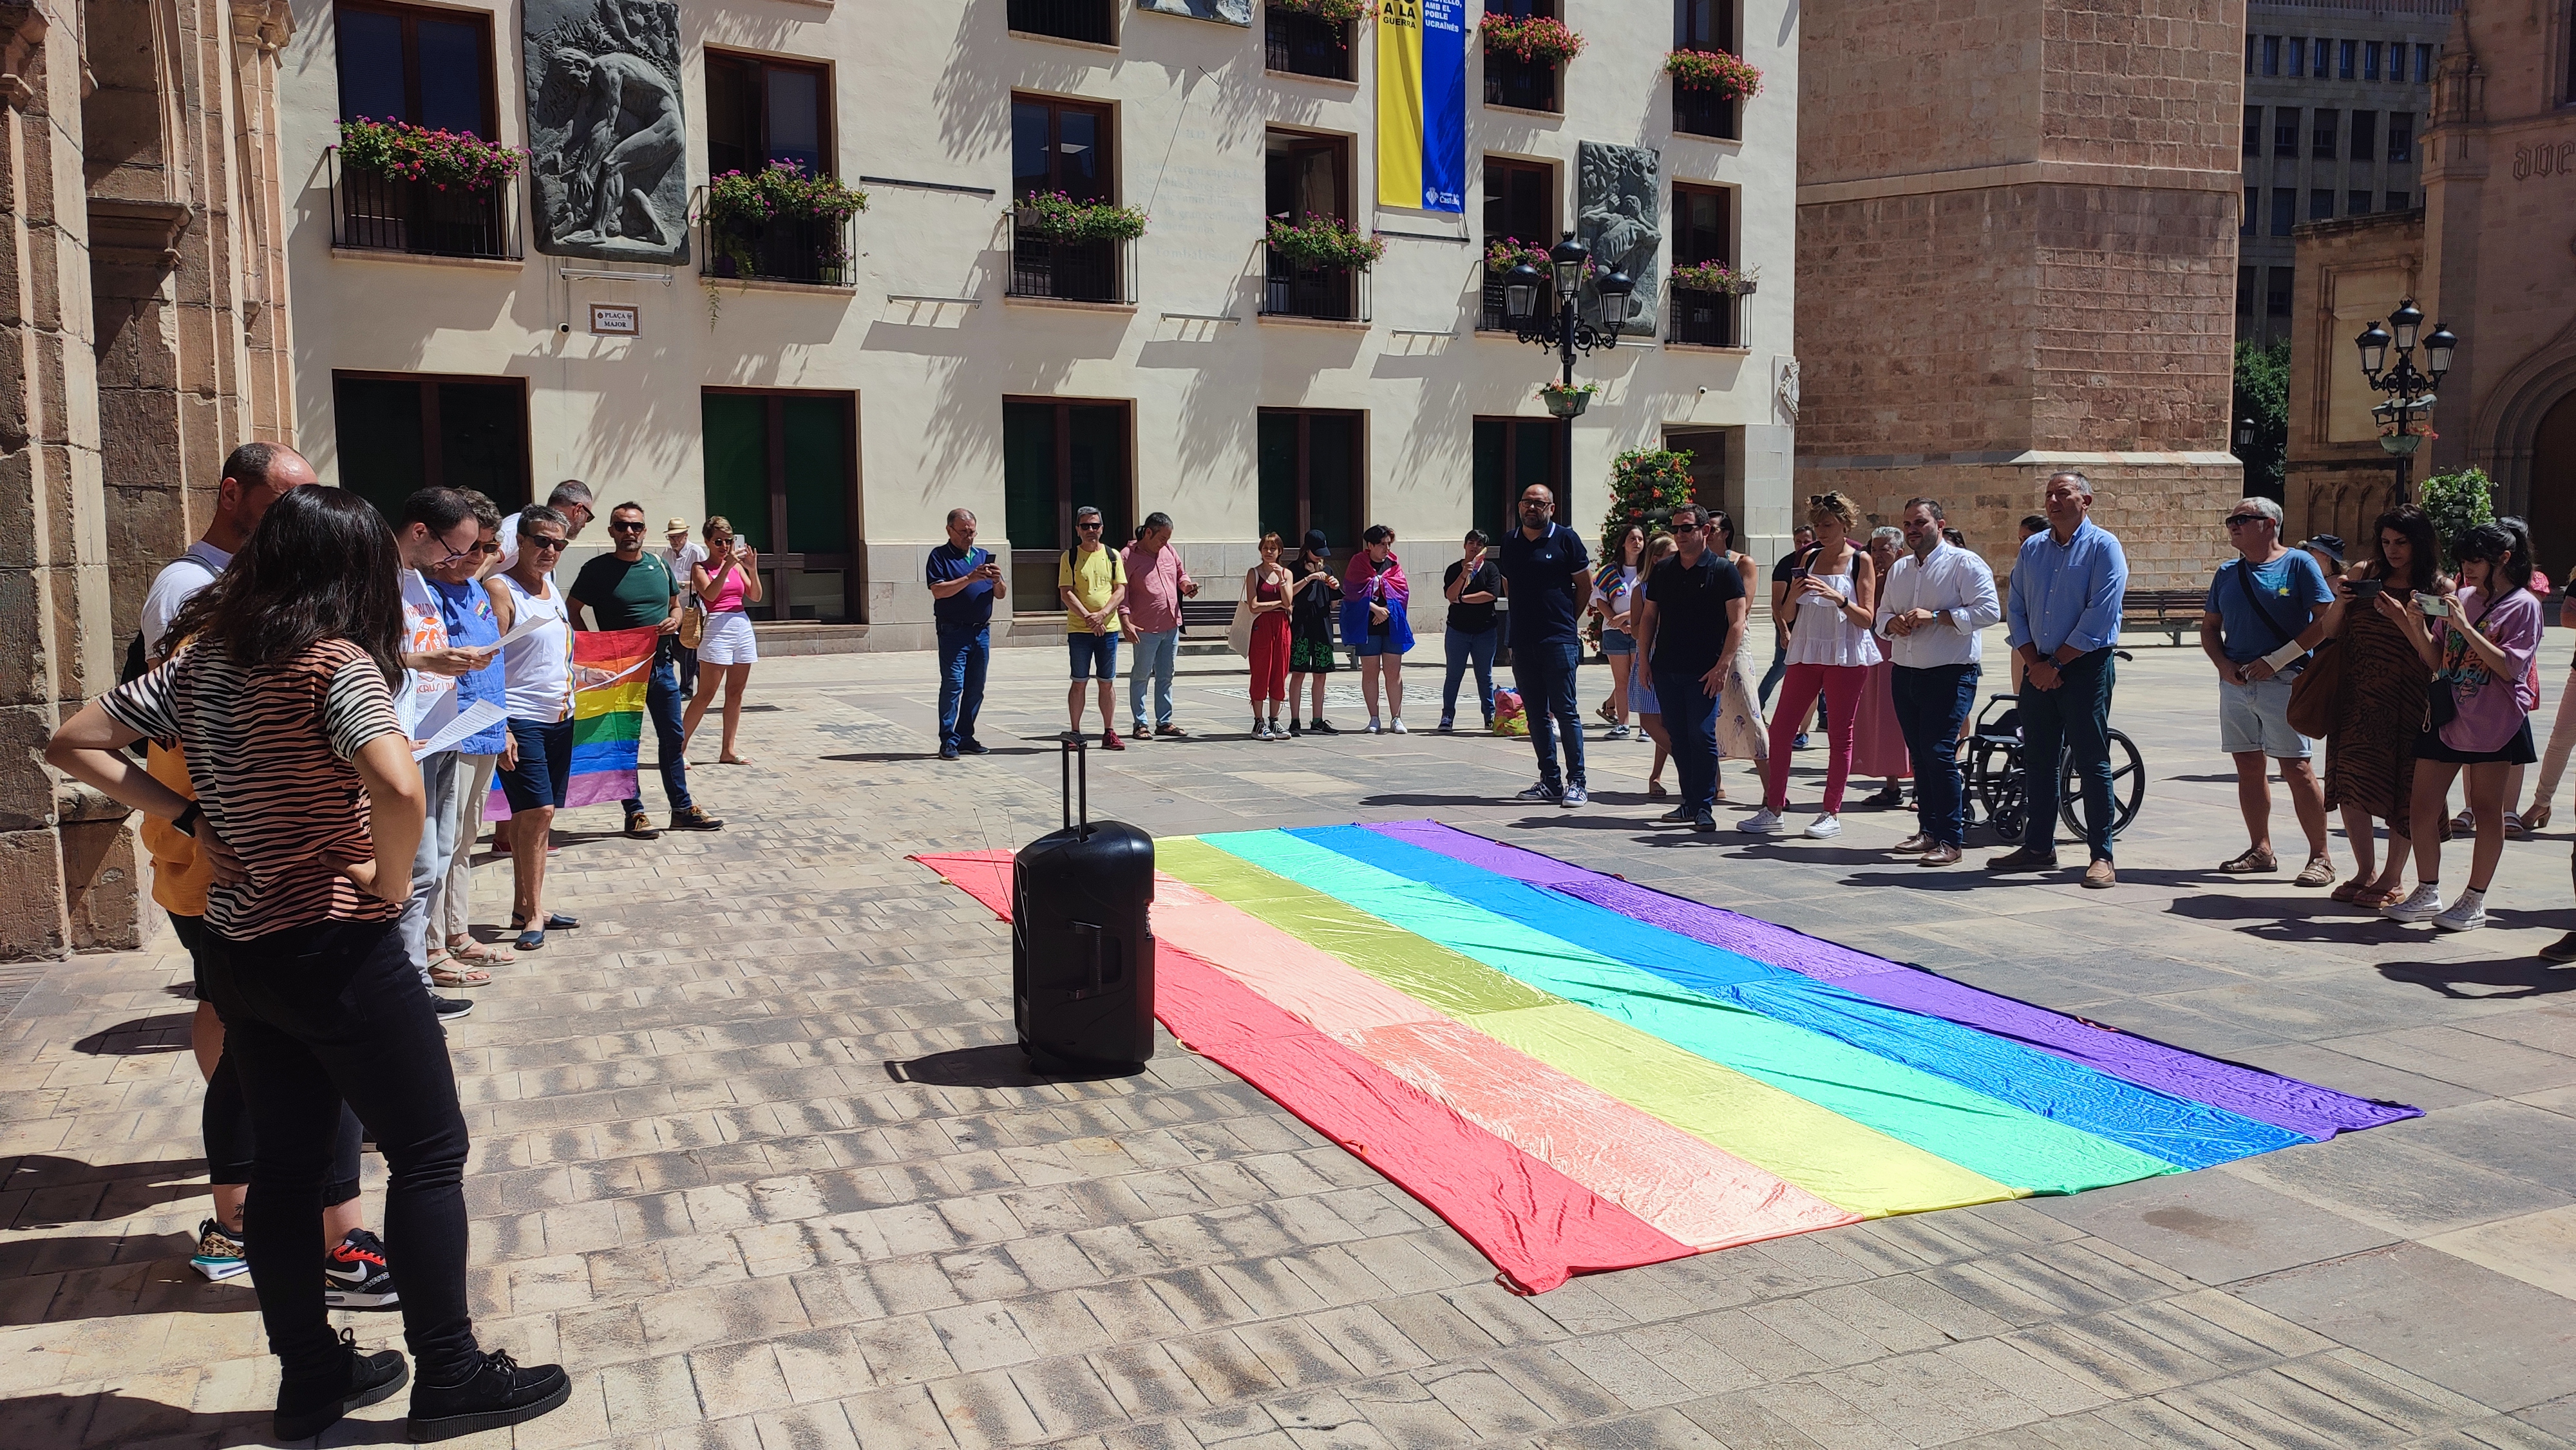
pixel 1057 217
pixel 1323 241
pixel 1536 39
pixel 1714 277
pixel 1565 402
pixel 398 151
pixel 1510 252
pixel 1332 12
pixel 1714 70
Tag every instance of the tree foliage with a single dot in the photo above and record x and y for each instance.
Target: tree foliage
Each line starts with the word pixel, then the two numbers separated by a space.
pixel 2263 395
pixel 2457 503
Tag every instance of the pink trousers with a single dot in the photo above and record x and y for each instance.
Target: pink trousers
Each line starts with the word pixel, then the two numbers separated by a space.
pixel 1841 687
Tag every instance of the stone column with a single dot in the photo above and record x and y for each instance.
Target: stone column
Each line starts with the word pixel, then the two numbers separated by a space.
pixel 53 537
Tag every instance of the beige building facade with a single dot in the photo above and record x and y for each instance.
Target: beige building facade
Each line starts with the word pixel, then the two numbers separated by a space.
pixel 2493 256
pixel 2037 276
pixel 835 413
pixel 143 305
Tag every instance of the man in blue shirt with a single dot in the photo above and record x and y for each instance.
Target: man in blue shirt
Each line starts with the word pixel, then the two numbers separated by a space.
pixel 1546 575
pixel 964 581
pixel 2257 628
pixel 2064 617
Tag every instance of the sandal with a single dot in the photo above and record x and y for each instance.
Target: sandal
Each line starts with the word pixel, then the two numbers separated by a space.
pixel 2255 859
pixel 453 979
pixel 2537 817
pixel 480 954
pixel 1655 790
pixel 2350 889
pixel 2371 898
pixel 2320 870
pixel 555 921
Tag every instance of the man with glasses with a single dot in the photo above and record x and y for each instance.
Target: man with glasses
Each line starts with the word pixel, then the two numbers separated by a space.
pixel 1546 573
pixel 1092 581
pixel 630 588
pixel 438 529
pixel 571 498
pixel 2265 612
pixel 1687 634
pixel 2064 619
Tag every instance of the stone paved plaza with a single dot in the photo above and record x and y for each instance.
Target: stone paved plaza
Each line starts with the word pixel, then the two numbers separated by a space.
pixel 754 1157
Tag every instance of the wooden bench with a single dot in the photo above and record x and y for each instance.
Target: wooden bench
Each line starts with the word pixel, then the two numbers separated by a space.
pixel 2175 611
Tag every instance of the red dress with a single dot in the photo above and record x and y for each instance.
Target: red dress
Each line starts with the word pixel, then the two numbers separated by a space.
pixel 1269 647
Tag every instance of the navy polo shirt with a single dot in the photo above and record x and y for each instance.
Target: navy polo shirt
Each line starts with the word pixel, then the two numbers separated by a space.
pixel 970 607
pixel 1541 573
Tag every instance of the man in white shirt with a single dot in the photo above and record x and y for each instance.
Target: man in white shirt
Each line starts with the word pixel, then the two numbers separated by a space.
pixel 254 475
pixel 437 527
pixel 684 554
pixel 572 499
pixel 1930 610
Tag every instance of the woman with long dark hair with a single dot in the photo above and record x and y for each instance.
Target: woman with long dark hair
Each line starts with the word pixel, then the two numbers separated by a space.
pixel 2379 700
pixel 310 807
pixel 1374 597
pixel 1614 599
pixel 2478 647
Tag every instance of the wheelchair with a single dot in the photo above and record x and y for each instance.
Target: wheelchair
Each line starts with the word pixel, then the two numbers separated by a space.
pixel 1992 795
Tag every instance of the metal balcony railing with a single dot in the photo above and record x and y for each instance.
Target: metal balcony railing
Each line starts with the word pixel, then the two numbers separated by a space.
pixel 1091 20
pixel 1303 45
pixel 1071 271
pixel 387 214
pixel 1702 319
pixel 1701 112
pixel 1527 84
pixel 1336 294
pixel 1490 316
pixel 787 249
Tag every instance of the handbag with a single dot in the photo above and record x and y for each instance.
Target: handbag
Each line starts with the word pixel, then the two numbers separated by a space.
pixel 1238 635
pixel 2312 694
pixel 693 625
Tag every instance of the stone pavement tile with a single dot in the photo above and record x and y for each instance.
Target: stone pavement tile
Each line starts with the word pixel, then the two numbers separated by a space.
pixel 2493 1339
pixel 904 1418
pixel 2507 1137
pixel 1483 1399
pixel 1930 1398
pixel 1408 1413
pixel 2214 1226
pixel 1146 1380
pixel 2386 1180
pixel 1825 1418
pixel 2470 1059
pixel 1299 1355
pixel 2410 1402
pixel 1326 1422
pixel 649 1394
pixel 2537 1248
pixel 985 1409
pixel 2165 1425
pixel 1688 1357
pixel 2556 1418
pixel 2269 1408
pixel 2023 1375
pixel 1740 1424
pixel 1067 1396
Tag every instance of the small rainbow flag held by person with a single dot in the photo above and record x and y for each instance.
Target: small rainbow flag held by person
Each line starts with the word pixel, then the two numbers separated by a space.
pixel 607 717
pixel 1580 1073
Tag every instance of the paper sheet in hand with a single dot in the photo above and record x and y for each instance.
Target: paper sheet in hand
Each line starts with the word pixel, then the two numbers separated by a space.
pixel 528 624
pixel 473 720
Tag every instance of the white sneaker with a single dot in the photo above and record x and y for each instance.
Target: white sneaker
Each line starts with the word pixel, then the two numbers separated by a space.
pixel 1372 727
pixel 2423 905
pixel 2466 914
pixel 1827 824
pixel 1396 727
pixel 1761 823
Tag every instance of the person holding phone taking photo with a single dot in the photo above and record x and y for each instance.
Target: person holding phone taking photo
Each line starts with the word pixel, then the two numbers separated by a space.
pixel 2379 702
pixel 965 581
pixel 726 580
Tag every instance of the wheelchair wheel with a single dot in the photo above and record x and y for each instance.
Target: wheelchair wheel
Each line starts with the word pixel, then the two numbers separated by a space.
pixel 1994 784
pixel 2128 789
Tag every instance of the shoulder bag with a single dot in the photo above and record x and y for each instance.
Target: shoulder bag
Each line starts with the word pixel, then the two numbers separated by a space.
pixel 2312 694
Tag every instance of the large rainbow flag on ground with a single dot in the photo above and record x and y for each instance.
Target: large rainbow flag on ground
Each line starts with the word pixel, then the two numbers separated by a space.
pixel 1580 1073
pixel 607 718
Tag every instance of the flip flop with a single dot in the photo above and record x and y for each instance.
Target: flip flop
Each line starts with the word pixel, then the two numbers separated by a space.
pixel 445 974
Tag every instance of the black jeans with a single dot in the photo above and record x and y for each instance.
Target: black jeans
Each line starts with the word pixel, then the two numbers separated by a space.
pixel 662 706
pixel 231 1141
pixel 2072 722
pixel 1545 674
pixel 1930 703
pixel 314 1017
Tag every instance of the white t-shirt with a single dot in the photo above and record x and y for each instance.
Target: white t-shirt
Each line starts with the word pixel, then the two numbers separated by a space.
pixel 682 559
pixel 427 701
pixel 177 583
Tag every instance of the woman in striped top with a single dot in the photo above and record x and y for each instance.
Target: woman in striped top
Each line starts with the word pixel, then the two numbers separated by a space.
pixel 309 807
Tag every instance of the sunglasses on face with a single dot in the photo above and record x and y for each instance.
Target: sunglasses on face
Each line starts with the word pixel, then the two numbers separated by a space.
pixel 1681 528
pixel 543 546
pixel 1088 524
pixel 2238 520
pixel 620 526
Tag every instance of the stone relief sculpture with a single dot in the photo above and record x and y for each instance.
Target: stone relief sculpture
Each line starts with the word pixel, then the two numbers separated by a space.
pixel 605 133
pixel 1232 12
pixel 1787 390
pixel 1619 215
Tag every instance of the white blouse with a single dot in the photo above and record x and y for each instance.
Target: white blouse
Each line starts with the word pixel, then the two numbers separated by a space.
pixel 1824 635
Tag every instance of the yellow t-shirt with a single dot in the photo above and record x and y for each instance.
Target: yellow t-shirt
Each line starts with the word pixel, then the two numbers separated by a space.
pixel 1095 575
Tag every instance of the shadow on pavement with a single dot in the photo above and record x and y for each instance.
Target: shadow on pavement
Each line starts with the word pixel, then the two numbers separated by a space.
pixel 111 1418
pixel 998 1066
pixel 2518 977
pixel 165 1033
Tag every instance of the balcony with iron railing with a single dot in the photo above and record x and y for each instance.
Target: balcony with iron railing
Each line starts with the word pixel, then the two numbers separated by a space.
pixel 1702 111
pixel 1094 21
pixel 1491 315
pixel 1069 271
pixel 810 250
pixel 1528 85
pixel 1702 319
pixel 375 213
pixel 1305 45
pixel 1326 293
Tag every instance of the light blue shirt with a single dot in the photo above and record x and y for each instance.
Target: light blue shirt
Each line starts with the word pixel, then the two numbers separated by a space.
pixel 2067 594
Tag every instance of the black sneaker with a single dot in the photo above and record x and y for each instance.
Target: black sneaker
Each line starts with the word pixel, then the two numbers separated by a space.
pixel 1323 727
pixel 974 747
pixel 354 1275
pixel 948 752
pixel 450 1008
pixel 695 818
pixel 2562 951
pixel 303 1413
pixel 496 1393
pixel 1296 727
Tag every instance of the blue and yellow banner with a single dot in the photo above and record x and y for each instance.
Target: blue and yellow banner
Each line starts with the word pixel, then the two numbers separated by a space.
pixel 1422 105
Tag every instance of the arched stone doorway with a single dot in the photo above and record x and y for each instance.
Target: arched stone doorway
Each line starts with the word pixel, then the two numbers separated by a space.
pixel 2553 489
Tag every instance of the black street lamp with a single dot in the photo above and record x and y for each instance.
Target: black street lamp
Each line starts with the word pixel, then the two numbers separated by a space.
pixel 2410 393
pixel 1566 332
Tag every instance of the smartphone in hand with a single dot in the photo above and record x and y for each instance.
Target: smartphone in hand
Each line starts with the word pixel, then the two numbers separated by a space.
pixel 2433 606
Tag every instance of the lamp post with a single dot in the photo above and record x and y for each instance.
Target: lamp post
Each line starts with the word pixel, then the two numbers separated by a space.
pixel 2410 393
pixel 1566 332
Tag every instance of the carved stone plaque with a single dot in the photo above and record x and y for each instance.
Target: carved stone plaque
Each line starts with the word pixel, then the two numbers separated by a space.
pixel 1619 215
pixel 1232 12
pixel 607 146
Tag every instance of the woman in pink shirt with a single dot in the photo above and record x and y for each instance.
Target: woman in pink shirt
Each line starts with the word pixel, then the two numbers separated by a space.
pixel 726 580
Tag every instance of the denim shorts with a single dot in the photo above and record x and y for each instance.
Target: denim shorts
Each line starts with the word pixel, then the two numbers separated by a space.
pixel 1618 642
pixel 544 771
pixel 1093 655
pixel 2256 716
pixel 1375 642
